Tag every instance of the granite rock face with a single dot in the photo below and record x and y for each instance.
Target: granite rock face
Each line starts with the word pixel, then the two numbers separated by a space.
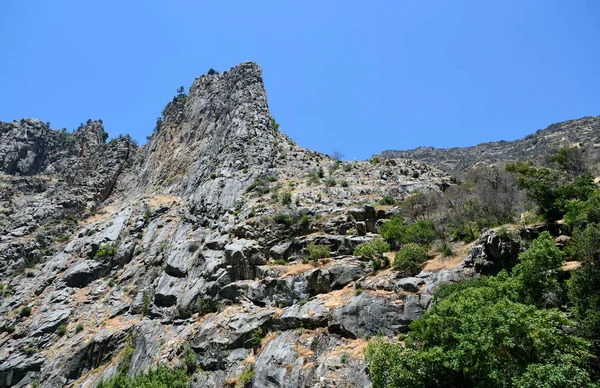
pixel 195 247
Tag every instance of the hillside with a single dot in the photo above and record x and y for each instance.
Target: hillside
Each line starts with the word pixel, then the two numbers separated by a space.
pixel 222 254
pixel 534 147
pixel 194 247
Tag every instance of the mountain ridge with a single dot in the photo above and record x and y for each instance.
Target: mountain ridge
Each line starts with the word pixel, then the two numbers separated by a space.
pixel 535 147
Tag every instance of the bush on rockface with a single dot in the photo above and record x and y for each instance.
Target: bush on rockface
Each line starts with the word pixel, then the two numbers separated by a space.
pixel 374 248
pixel 316 252
pixel 409 258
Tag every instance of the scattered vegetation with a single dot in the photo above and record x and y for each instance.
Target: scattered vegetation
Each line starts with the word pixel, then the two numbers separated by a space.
pixel 25 311
pixel 159 377
pixel 316 252
pixel 509 330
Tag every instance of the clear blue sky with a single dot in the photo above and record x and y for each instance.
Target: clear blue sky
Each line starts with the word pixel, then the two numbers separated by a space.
pixel 357 77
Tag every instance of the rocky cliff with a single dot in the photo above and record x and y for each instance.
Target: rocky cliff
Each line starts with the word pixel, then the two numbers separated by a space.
pixel 192 249
pixel 584 132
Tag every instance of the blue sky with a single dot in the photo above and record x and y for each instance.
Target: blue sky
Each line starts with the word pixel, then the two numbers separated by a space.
pixel 356 77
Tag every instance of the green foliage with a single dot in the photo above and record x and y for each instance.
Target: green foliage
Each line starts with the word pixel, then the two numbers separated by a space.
pixel 61 330
pixel 203 306
pixel 25 311
pixel 190 360
pixel 583 287
pixel 570 160
pixel 286 198
pixel 396 232
pixel 344 183
pixel 330 182
pixel 551 189
pixel 321 173
pixel 257 337
pixel 283 218
pixel 247 376
pixel 374 248
pixel 494 331
pixel 388 200
pixel 160 377
pixel 374 160
pixel 106 250
pixel 279 262
pixel 580 213
pixel 316 252
pixel 274 124
pixel 409 258
pixel 537 273
pixel 79 328
pixel 146 302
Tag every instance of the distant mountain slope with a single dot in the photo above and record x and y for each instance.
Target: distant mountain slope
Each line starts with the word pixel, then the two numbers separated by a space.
pixel 535 147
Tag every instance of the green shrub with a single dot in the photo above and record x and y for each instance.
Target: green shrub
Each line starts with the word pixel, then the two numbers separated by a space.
pixel 374 248
pixel 10 329
pixel 257 337
pixel 61 330
pixel 190 360
pixel 409 258
pixel 330 182
pixel 537 273
pixel 274 125
pixel 286 198
pixel 160 377
pixel 344 183
pixel 316 252
pixel 247 376
pixel 388 200
pixel 283 218
pixel 25 311
pixel 279 262
pixel 79 328
pixel 396 232
pixel 106 250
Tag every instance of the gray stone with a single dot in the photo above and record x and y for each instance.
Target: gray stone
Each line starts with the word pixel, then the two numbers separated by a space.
pixel 49 322
pixel 82 273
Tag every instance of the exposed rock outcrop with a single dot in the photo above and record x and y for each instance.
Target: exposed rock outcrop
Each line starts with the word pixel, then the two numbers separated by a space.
pixel 196 247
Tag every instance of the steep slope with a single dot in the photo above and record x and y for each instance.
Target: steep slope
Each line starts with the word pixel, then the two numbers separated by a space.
pixel 535 147
pixel 192 249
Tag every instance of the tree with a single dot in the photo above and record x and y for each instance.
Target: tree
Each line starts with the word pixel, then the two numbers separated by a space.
pixel 337 156
pixel 537 273
pixel 551 189
pixel 478 335
pixel 570 160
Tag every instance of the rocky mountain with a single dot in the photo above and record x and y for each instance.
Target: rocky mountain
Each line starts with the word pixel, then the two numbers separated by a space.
pixel 196 249
pixel 536 147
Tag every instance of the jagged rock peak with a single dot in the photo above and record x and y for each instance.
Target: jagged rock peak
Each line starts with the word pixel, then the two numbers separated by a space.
pixel 211 135
pixel 90 136
pixel 29 147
